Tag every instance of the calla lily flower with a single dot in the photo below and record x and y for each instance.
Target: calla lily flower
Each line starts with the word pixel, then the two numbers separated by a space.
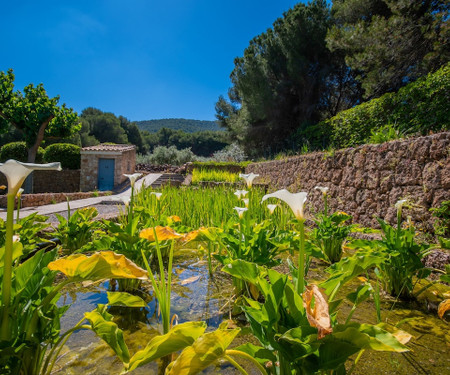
pixel 133 177
pixel 295 201
pixel 126 201
pixel 16 172
pixel 248 178
pixel 272 207
pixel 246 202
pixel 157 195
pixel 19 192
pixel 400 204
pixel 323 189
pixel 240 193
pixel 240 211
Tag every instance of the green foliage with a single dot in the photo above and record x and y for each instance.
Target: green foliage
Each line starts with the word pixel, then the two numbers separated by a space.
pixel 330 234
pixel 168 155
pixel 284 325
pixel 67 154
pixel 442 214
pixel 187 126
pixel 237 167
pixel 19 151
pixel 390 43
pixel 232 153
pixel 77 230
pixel 287 79
pixel 104 126
pixel 384 134
pixel 213 175
pixel 35 114
pixel 419 107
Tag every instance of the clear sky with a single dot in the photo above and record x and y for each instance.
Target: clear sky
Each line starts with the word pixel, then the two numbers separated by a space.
pixel 142 59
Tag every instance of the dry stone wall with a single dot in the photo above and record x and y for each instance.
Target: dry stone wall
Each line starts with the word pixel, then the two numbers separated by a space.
pixel 367 181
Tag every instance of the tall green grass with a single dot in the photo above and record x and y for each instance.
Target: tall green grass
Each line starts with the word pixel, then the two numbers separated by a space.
pixel 202 174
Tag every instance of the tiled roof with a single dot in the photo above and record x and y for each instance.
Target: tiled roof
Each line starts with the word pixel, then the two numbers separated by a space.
pixel 108 147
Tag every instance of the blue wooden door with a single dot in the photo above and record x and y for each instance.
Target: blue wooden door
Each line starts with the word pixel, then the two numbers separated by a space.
pixel 105 174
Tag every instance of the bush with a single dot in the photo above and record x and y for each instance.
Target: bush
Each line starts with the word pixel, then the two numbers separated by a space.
pixel 420 107
pixel 67 154
pixel 231 153
pixel 19 151
pixel 167 155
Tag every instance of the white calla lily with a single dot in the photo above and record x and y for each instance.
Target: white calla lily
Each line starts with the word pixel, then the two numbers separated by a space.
pixel 246 201
pixel 248 178
pixel 272 207
pixel 240 211
pixel 295 201
pixel 240 193
pixel 126 201
pixel 19 192
pixel 157 195
pixel 400 204
pixel 323 189
pixel 133 177
pixel 16 172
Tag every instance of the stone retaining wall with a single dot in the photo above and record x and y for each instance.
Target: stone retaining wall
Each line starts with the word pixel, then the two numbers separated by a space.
pixel 65 181
pixel 366 181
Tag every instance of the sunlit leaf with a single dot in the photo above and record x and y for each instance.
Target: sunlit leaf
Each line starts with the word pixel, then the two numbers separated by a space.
pixel 101 265
pixel 162 234
pixel 109 332
pixel 17 252
pixel 318 316
pixel 124 299
pixel 205 351
pixel 179 337
pixel 444 306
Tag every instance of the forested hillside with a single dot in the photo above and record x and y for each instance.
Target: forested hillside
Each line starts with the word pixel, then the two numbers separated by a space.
pixel 188 126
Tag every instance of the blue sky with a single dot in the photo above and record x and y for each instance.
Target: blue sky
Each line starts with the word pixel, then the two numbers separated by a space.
pixel 142 59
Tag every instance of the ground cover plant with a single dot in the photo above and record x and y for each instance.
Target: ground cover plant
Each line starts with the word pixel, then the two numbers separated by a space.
pixel 298 327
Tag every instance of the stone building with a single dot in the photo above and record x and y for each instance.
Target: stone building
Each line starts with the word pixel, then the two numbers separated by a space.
pixel 103 166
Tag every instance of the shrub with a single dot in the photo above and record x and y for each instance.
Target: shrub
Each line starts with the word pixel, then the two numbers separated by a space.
pixel 231 153
pixel 19 151
pixel 67 154
pixel 420 107
pixel 167 155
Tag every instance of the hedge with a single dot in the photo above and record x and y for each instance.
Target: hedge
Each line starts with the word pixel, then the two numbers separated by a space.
pixel 420 107
pixel 67 154
pixel 19 151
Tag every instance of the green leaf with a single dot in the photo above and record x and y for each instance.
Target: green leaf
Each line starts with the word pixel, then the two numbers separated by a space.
pixel 16 252
pixel 259 353
pixel 206 350
pixel 109 332
pixel 124 299
pixel 179 337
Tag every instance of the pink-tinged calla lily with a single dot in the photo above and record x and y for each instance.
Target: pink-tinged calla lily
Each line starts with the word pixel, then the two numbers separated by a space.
pixel 240 193
pixel 323 189
pixel 133 177
pixel 295 201
pixel 157 195
pixel 240 211
pixel 248 178
pixel 16 172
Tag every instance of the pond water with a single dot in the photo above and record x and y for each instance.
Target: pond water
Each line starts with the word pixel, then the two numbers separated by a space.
pixel 208 299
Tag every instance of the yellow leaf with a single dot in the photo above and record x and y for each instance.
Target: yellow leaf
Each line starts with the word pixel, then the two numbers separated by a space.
pixel 318 316
pixel 101 265
pixel 444 306
pixel 162 233
pixel 174 218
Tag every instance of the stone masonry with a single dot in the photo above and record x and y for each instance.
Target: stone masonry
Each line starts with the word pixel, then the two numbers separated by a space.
pixel 125 162
pixel 367 181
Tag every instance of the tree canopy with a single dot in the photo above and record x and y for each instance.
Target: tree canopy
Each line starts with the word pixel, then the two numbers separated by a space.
pixel 34 114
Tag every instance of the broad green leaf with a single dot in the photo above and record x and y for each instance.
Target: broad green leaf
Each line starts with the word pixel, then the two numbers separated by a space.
pixel 17 252
pixel 109 332
pixel 179 337
pixel 101 265
pixel 259 353
pixel 205 351
pixel 360 295
pixel 124 299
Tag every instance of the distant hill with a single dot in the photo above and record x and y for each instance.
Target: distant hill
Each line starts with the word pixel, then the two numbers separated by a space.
pixel 189 126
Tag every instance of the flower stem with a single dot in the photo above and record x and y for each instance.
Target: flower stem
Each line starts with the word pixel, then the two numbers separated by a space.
pixel 301 259
pixel 7 270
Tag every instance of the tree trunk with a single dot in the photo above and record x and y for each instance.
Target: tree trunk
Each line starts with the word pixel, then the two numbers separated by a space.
pixel 32 152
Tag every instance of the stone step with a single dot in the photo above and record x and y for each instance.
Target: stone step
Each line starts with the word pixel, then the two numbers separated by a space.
pixel 168 178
